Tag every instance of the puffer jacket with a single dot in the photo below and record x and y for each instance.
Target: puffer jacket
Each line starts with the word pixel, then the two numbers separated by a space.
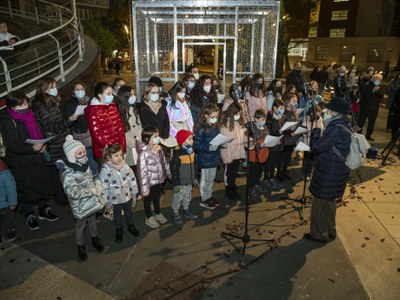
pixel 153 168
pixel 182 167
pixel 234 149
pixel 85 192
pixel 134 133
pixel 330 172
pixel 120 186
pixel 274 126
pixel 288 139
pixel 105 126
pixel 206 159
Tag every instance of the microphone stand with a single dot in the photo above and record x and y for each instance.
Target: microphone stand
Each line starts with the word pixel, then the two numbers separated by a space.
pixel 245 238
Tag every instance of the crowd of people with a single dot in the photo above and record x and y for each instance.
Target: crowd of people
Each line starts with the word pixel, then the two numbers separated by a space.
pixel 104 152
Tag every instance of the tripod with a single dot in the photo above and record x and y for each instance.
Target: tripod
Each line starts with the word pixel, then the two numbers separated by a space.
pixel 389 148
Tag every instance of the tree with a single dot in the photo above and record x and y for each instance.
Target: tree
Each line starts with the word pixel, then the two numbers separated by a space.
pixel 104 38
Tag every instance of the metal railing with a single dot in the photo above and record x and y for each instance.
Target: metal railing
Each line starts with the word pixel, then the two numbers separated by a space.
pixel 55 52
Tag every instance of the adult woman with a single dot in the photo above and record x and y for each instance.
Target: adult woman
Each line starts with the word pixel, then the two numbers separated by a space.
pixel 153 112
pixel 118 82
pixel 179 113
pixel 80 128
pixel 26 161
pixel 255 95
pixel 128 110
pixel 236 96
pixel 105 124
pixel 202 94
pixel 274 91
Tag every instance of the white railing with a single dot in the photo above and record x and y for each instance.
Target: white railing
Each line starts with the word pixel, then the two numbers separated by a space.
pixel 54 52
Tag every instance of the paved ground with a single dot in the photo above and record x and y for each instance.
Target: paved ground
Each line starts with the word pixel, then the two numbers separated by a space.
pixel 194 261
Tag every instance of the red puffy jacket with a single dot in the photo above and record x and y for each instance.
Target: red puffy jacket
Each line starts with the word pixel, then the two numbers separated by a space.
pixel 105 126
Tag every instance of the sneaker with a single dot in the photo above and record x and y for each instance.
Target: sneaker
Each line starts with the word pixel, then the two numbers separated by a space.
pixel 160 218
pixel 176 218
pixel 214 201
pixel 188 214
pixel 152 223
pixel 269 184
pixel 11 234
pixel 207 204
pixel 32 222
pixel 276 184
pixel 46 213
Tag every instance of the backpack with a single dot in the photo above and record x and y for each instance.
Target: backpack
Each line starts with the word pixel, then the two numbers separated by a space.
pixel 358 150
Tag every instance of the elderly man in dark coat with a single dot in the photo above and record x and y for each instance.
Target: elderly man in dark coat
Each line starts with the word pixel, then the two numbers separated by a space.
pixel 331 173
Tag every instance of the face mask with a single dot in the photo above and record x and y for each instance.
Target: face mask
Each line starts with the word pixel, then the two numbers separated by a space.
pixel 132 100
pixel 196 76
pixel 280 111
pixel 276 116
pixel 236 117
pixel 53 92
pixel 216 87
pixel 327 119
pixel 181 95
pixel 260 85
pixel 80 94
pixel 260 124
pixel 82 160
pixel 342 74
pixel 22 110
pixel 191 85
pixel 188 149
pixel 378 82
pixel 207 88
pixel 156 140
pixel 213 120
pixel 154 97
pixel 108 99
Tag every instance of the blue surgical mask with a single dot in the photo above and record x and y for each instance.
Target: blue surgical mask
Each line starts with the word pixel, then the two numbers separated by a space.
pixel 53 92
pixel 188 148
pixel 154 97
pixel 260 124
pixel 132 100
pixel 156 140
pixel 108 99
pixel 280 111
pixel 378 82
pixel 327 119
pixel 80 94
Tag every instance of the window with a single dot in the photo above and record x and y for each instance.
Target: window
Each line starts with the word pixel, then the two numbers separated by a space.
pixel 312 32
pixel 337 32
pixel 339 15
pixel 375 53
pixel 341 0
pixel 347 52
pixel 321 53
pixel 84 14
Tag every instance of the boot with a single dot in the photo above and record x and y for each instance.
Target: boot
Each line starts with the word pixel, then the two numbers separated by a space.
pixel 82 253
pixel 118 235
pixel 132 229
pixel 231 193
pixel 97 244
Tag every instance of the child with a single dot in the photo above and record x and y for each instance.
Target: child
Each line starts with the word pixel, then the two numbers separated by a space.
pixel 183 175
pixel 258 154
pixel 207 155
pixel 85 193
pixel 153 169
pixel 120 188
pixel 232 125
pixel 8 197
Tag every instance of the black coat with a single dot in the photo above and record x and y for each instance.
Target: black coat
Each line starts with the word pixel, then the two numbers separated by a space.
pixel 30 170
pixel 68 108
pixel 159 120
pixel 51 121
pixel 330 172
pixel 370 101
pixel 296 78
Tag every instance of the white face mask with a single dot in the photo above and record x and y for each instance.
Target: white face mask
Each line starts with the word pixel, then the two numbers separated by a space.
pixel 156 140
pixel 53 92
pixel 154 97
pixel 191 85
pixel 213 120
pixel 132 100
pixel 80 94
pixel 327 118
pixel 260 124
pixel 236 117
pixel 181 95
pixel 82 160
pixel 207 88
pixel 196 76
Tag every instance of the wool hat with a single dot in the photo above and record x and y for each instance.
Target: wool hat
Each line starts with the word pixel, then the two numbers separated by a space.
pixel 70 146
pixel 342 69
pixel 339 105
pixel 182 136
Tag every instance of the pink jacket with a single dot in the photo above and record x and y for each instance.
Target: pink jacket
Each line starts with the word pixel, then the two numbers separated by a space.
pixel 153 168
pixel 234 149
pixel 228 101
pixel 256 103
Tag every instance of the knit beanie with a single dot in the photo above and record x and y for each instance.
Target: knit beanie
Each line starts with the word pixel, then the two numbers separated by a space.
pixel 70 146
pixel 182 136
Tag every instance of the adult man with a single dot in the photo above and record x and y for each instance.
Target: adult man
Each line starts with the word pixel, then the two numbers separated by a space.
pixel 369 105
pixel 391 90
pixel 7 40
pixel 296 77
pixel 331 173
pixel 339 83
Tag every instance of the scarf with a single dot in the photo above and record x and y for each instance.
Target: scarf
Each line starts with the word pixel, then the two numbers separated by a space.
pixel 28 118
pixel 76 166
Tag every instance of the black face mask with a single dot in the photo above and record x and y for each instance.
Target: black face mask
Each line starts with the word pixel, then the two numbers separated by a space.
pixel 22 111
pixel 260 85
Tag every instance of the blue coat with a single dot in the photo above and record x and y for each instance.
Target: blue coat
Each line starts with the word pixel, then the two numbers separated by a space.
pixel 205 158
pixel 330 172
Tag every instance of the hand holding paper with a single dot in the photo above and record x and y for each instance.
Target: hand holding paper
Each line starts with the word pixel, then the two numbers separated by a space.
pixel 300 130
pixel 271 141
pixel 221 139
pixel 302 147
pixel 42 141
pixel 288 125
pixel 80 110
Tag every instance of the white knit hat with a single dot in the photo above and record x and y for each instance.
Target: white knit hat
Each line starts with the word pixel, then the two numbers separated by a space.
pixel 70 146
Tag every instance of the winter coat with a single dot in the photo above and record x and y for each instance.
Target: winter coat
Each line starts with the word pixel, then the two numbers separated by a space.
pixel 309 125
pixel 258 153
pixel 85 192
pixel 322 77
pixel 153 168
pixel 182 167
pixel 29 168
pixel 234 149
pixel 296 78
pixel 180 117
pixel 52 122
pixel 120 186
pixel 159 120
pixel 340 86
pixel 370 100
pixel 330 172
pixel 206 159
pixel 288 139
pixel 105 126
pixel 392 87
pixel 274 126
pixel 199 98
pixel 256 103
pixel 134 133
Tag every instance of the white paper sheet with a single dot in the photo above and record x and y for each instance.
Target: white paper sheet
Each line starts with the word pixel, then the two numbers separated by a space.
pixel 300 130
pixel 221 139
pixel 271 141
pixel 300 110
pixel 302 147
pixel 221 97
pixel 287 126
pixel 80 110
pixel 37 142
pixel 169 142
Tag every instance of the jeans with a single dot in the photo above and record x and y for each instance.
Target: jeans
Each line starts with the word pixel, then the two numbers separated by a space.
pixel 8 189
